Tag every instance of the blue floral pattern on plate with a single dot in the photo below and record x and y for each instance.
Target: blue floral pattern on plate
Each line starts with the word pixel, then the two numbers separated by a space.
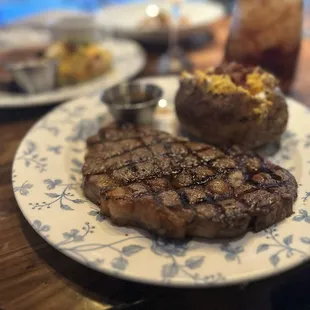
pixel 47 183
pixel 63 197
pixel 22 189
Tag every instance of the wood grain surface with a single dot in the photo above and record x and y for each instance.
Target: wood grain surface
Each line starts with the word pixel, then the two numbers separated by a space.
pixel 33 275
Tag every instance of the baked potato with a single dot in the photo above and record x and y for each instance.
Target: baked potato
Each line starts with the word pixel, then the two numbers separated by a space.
pixel 232 104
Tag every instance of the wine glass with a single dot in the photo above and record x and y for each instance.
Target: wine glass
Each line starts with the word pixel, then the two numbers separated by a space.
pixel 306 32
pixel 174 60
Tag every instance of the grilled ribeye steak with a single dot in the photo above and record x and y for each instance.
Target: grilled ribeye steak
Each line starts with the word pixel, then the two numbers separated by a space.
pixel 146 178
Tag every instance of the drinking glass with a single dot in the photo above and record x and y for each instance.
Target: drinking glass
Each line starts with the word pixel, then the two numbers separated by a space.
pixel 267 33
pixel 174 60
pixel 307 19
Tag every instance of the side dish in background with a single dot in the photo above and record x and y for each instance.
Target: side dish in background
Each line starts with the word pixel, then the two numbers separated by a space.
pixel 79 62
pixel 268 34
pixel 232 104
pixel 73 63
pixel 146 178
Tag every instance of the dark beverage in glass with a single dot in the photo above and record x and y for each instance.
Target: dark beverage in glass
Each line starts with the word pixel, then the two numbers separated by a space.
pixel 267 33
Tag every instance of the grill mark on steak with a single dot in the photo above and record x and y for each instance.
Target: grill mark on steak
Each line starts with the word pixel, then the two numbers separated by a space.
pixel 156 164
pixel 176 187
pixel 133 162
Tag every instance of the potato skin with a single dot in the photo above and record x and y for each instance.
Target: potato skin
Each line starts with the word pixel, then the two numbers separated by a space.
pixel 229 119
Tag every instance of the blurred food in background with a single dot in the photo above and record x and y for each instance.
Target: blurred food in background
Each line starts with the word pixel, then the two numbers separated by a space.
pixel 79 62
pixel 75 46
pixel 76 62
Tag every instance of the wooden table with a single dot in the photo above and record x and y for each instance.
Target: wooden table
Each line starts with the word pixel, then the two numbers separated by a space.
pixel 35 276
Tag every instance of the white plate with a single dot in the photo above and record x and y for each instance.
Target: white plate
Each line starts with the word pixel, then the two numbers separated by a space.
pixel 14 37
pixel 128 60
pixel 125 19
pixel 47 178
pixel 43 20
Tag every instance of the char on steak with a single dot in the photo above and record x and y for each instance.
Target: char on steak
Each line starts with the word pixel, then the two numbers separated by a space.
pixel 174 187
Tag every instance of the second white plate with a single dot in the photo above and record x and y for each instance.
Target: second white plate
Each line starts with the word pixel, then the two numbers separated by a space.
pixel 125 19
pixel 128 60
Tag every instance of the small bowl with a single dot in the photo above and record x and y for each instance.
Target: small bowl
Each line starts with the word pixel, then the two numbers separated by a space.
pixel 132 102
pixel 79 29
pixel 34 76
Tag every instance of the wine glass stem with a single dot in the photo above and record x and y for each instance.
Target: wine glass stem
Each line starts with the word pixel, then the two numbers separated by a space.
pixel 173 29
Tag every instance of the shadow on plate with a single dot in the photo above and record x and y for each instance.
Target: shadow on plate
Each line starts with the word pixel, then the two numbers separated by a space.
pixel 121 294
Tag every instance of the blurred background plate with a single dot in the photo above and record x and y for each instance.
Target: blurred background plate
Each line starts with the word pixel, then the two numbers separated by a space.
pixel 125 19
pixel 21 37
pixel 41 20
pixel 128 60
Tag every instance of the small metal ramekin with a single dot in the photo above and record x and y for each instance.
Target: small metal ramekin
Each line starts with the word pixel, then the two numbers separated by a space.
pixel 132 102
pixel 34 76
